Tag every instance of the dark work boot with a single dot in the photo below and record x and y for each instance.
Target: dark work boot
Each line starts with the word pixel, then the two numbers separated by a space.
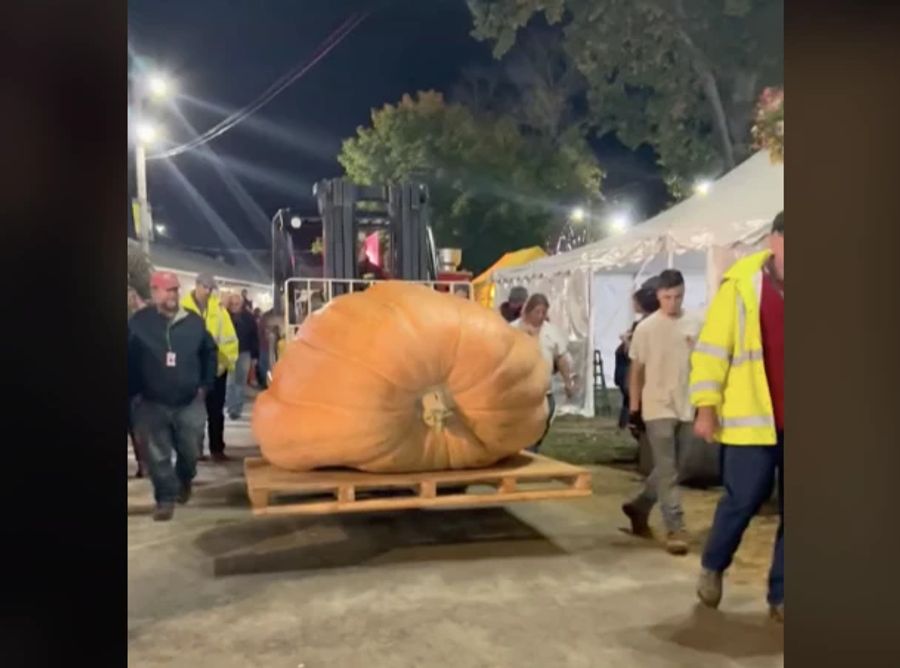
pixel 184 494
pixel 639 524
pixel 163 512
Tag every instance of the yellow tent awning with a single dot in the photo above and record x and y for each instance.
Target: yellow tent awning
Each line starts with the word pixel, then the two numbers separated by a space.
pixel 484 285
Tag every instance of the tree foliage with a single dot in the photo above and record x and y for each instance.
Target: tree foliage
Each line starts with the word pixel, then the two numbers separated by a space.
pixel 681 75
pixel 139 270
pixel 493 188
pixel 535 84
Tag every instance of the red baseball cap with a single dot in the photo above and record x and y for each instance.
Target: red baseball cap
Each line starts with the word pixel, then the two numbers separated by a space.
pixel 164 280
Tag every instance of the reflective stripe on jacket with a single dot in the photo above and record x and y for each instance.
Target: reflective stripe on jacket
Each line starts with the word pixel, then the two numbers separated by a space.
pixel 727 367
pixel 219 325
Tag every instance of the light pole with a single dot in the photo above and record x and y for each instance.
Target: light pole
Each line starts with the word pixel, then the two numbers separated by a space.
pixel 155 86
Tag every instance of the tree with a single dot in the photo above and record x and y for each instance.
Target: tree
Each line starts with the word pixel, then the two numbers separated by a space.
pixel 493 189
pixel 139 269
pixel 535 84
pixel 681 75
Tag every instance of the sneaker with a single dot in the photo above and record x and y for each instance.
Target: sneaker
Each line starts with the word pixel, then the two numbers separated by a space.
pixel 163 512
pixel 220 457
pixel 709 588
pixel 184 494
pixel 639 525
pixel 677 543
pixel 776 613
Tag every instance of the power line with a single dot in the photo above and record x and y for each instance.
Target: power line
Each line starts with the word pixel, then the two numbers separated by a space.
pixel 330 43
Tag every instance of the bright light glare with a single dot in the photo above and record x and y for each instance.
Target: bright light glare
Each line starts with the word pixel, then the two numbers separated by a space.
pixel 147 133
pixel 578 214
pixel 296 222
pixel 160 229
pixel 159 86
pixel 703 187
pixel 619 222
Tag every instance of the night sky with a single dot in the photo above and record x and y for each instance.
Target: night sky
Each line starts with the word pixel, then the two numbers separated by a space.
pixel 224 53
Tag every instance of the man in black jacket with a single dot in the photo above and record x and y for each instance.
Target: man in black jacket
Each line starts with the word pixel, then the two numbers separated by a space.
pixel 171 365
pixel 248 346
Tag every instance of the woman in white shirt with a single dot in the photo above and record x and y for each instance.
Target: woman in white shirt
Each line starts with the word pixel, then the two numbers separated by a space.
pixel 553 348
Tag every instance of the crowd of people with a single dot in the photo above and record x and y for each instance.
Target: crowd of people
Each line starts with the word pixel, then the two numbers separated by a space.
pixel 718 378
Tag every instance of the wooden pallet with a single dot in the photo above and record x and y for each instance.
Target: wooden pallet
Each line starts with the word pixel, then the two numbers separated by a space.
pixel 524 477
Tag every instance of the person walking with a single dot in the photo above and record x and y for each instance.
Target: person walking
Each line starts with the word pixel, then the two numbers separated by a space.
pixel 245 327
pixel 171 366
pixel 553 345
pixel 203 301
pixel 644 302
pixel 135 304
pixel 737 385
pixel 659 401
pixel 511 309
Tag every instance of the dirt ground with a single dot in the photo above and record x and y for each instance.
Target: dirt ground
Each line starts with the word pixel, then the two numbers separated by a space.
pixel 598 441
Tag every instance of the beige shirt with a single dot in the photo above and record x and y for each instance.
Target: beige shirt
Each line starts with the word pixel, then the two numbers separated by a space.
pixel 663 345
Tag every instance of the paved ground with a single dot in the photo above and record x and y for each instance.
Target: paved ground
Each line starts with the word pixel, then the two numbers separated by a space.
pixel 540 584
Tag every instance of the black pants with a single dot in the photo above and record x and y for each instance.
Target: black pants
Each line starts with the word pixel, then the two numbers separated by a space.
pixel 625 410
pixel 215 411
pixel 551 405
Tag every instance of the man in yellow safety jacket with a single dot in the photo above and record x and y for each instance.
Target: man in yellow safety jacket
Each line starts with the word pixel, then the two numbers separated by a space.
pixel 204 303
pixel 737 386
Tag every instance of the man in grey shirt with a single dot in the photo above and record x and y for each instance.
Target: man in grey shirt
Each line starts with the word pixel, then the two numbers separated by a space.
pixel 659 397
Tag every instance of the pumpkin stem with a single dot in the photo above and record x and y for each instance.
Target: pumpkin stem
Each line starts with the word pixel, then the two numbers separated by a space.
pixel 436 408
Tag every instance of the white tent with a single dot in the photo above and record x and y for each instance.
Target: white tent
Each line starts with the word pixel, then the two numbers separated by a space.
pixel 590 288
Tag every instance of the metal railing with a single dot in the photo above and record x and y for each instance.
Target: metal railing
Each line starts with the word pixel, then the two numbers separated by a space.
pixel 312 294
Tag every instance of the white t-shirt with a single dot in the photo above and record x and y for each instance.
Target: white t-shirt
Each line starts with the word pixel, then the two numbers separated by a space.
pixel 663 345
pixel 551 340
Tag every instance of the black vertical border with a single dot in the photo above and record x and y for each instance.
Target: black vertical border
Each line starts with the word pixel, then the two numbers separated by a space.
pixel 63 207
pixel 843 330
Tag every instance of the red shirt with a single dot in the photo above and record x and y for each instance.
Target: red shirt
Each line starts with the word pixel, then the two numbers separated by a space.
pixel 771 311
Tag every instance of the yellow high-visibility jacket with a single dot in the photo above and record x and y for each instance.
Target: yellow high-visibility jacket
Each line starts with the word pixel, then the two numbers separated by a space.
pixel 218 323
pixel 727 367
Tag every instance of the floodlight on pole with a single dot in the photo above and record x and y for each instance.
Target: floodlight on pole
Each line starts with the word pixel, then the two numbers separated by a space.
pixel 147 132
pixel 296 222
pixel 159 86
pixel 619 222
pixel 703 187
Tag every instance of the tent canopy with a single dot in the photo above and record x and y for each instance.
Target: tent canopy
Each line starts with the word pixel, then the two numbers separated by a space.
pixel 483 283
pixel 738 209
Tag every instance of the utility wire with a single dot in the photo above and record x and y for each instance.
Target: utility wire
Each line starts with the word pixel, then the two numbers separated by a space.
pixel 269 94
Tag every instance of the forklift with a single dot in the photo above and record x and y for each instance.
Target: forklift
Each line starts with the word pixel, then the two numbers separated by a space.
pixel 358 236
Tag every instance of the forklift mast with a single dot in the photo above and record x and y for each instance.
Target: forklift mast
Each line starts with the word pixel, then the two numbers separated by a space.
pixel 347 211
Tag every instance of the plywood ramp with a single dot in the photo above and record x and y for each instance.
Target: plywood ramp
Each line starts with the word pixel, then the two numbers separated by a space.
pixel 524 477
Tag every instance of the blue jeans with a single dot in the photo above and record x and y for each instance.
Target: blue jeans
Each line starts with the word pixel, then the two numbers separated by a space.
pixel 237 381
pixel 164 430
pixel 748 473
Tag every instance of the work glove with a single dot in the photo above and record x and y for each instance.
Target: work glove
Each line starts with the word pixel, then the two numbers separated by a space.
pixel 636 424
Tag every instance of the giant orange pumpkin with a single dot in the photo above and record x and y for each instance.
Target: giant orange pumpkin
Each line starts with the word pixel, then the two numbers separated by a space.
pixel 401 378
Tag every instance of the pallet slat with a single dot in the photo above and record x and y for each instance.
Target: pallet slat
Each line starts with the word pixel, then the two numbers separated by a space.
pixel 267 484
